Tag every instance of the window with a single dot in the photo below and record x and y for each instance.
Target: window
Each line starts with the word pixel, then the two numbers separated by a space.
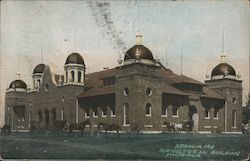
pixel 72 76
pixel 104 111
pixel 40 116
pixel 62 113
pixel 63 98
pixel 46 117
pixel 148 109
pixel 234 100
pixel 164 112
pixel 126 115
pixel 126 92
pixel 175 111
pixel 66 76
pixel 38 83
pixel 20 118
pixel 216 113
pixel 207 114
pixel 46 87
pixel 86 112
pixel 79 76
pixel 95 114
pixel 112 112
pixel 148 92
pixel 53 114
pixel 234 118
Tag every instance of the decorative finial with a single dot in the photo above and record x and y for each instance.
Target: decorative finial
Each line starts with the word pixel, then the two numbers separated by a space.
pixel 18 74
pixel 207 75
pixel 138 39
pixel 238 75
pixel 223 58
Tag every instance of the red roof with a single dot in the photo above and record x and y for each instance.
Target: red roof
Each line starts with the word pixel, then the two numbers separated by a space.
pixel 99 91
pixel 184 79
pixel 94 83
pixel 172 90
pixel 103 74
pixel 209 93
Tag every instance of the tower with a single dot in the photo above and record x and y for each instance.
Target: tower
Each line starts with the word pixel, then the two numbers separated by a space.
pixel 74 69
pixel 37 75
pixel 15 104
pixel 223 81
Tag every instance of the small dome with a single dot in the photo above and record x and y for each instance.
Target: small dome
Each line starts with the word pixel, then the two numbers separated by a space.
pixel 222 69
pixel 74 58
pixel 39 68
pixel 18 84
pixel 138 52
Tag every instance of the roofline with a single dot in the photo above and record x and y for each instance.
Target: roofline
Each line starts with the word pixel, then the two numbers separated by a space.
pixel 96 95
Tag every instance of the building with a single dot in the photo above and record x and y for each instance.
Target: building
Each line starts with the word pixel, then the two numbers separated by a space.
pixel 139 93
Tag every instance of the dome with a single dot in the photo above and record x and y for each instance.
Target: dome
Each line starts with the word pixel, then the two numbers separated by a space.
pixel 222 69
pixel 39 68
pixel 18 84
pixel 74 58
pixel 138 52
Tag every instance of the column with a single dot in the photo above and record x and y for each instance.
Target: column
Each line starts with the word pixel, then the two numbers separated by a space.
pixel 76 75
pixel 82 78
pixel 65 76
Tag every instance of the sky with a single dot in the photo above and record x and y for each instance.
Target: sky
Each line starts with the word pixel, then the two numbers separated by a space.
pixel 48 31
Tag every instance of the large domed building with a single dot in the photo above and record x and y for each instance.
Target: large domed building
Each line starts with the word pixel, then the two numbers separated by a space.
pixel 138 95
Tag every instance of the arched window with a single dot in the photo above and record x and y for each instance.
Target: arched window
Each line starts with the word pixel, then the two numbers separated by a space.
pixel 126 114
pixel 73 76
pixel 148 91
pixel 104 111
pixel 126 91
pixel 79 76
pixel 112 111
pixel 207 114
pixel 40 116
pixel 87 111
pixel 234 118
pixel 38 83
pixel 62 113
pixel 46 117
pixel 66 76
pixel 53 114
pixel 175 111
pixel 164 111
pixel 216 113
pixel 95 112
pixel 148 109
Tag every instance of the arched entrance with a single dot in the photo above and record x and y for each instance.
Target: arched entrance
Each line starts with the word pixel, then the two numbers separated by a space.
pixel 53 114
pixel 46 117
pixel 40 116
pixel 193 115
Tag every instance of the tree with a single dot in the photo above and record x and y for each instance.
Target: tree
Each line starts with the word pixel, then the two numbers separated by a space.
pixel 246 111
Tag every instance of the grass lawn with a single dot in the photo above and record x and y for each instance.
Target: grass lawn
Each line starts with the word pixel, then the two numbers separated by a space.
pixel 147 147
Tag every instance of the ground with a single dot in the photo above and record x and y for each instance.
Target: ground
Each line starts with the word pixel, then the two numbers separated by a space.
pixel 169 146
